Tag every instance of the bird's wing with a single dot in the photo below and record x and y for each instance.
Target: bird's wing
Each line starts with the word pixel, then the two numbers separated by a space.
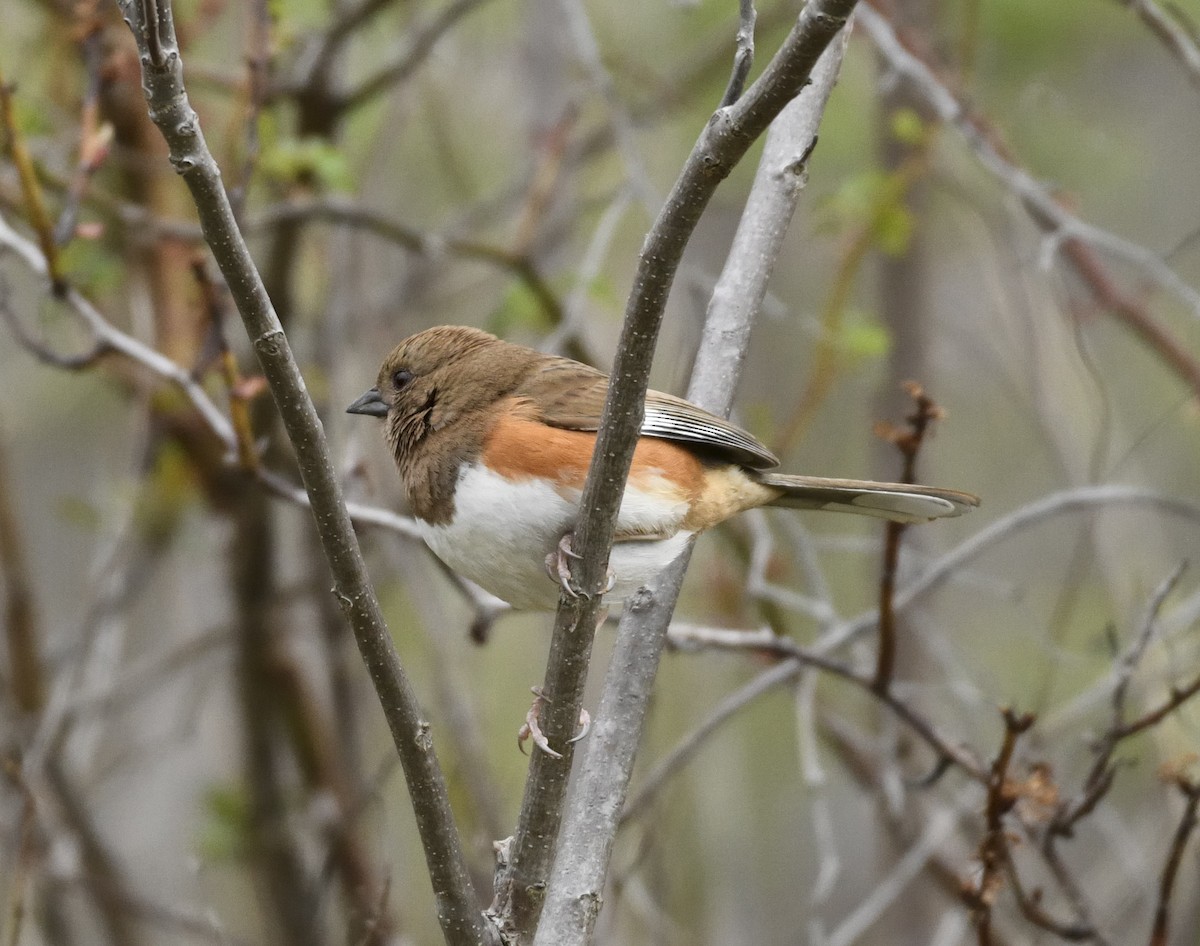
pixel 570 395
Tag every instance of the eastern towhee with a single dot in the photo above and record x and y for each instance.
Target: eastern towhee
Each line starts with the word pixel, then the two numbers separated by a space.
pixel 493 443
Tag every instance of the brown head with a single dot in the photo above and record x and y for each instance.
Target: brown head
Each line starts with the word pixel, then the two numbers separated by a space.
pixel 444 379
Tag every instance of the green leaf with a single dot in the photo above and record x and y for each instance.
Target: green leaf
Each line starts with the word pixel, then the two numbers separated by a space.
pixel 855 200
pixel 893 229
pixel 224 831
pixel 93 268
pixel 602 290
pixel 309 161
pixel 862 336
pixel 518 310
pixel 907 126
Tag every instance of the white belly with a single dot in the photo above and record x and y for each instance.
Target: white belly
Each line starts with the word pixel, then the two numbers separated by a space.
pixel 503 530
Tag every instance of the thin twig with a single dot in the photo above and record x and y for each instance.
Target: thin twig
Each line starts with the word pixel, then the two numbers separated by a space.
pixel 1178 696
pixel 340 210
pixel 1102 773
pixel 26 679
pixel 1133 656
pixel 241 391
pixel 919 856
pixel 1166 885
pixel 39 217
pixel 908 442
pixel 993 848
pixel 95 136
pixel 743 59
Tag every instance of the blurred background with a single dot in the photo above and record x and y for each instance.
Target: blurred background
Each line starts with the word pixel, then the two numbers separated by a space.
pixel 192 750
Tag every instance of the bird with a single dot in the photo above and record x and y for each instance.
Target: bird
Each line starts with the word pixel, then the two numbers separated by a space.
pixel 493 441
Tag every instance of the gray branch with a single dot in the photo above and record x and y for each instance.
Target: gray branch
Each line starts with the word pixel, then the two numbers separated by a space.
pixel 743 59
pixel 162 77
pixel 576 887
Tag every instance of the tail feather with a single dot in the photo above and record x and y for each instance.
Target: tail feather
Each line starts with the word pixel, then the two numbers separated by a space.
pixel 900 502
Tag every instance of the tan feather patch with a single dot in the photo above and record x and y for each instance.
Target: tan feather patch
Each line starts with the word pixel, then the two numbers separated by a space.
pixel 518 447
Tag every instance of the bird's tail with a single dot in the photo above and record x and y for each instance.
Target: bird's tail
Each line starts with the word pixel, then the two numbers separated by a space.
pixel 899 502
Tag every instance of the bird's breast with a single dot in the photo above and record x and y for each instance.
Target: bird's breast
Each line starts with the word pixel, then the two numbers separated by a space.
pixel 503 527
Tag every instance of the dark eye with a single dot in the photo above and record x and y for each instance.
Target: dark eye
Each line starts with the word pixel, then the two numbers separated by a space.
pixel 402 378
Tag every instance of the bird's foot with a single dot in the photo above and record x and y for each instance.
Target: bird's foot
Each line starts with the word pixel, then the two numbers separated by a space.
pixel 532 729
pixel 558 567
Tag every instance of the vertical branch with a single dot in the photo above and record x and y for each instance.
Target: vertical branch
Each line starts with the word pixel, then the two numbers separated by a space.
pixel 191 158
pixel 743 60
pixel 993 849
pixel 577 884
pixel 20 616
pixel 721 145
pixel 908 442
pixel 1166 884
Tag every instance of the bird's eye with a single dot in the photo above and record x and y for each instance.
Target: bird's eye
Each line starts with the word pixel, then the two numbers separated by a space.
pixel 402 378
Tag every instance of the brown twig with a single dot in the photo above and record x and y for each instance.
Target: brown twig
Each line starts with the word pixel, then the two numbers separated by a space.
pixel 908 442
pixel 1030 905
pixel 242 391
pixel 25 677
pixel 35 205
pixel 103 877
pixel 1178 696
pixel 324 49
pixel 993 848
pixel 348 213
pixel 855 753
pixel 1166 885
pixel 95 136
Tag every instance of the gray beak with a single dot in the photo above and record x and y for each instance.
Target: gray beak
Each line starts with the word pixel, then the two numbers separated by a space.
pixel 370 403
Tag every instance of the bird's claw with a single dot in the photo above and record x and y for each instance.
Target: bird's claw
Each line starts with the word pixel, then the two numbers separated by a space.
pixel 558 567
pixel 585 726
pixel 532 730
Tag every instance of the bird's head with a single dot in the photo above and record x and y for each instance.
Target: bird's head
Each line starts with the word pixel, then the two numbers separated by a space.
pixel 440 377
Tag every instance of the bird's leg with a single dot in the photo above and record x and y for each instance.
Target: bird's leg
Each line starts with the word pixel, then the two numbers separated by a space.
pixel 558 567
pixel 531 728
